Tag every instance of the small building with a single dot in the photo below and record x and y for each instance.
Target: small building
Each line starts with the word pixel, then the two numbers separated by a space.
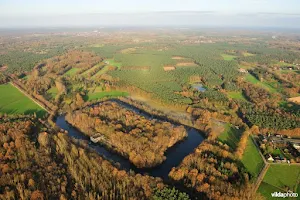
pixel 270 158
pixel 296 146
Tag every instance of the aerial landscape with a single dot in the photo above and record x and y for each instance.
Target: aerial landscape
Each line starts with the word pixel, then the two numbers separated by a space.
pixel 136 106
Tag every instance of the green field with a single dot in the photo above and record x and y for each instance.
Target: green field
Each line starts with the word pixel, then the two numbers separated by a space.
pixel 250 78
pixel 236 95
pixel 247 54
pixel 102 71
pixel 228 57
pixel 102 94
pixel 252 159
pixel 280 177
pixel 71 72
pixel 230 136
pixel 12 101
pixel 52 92
pixel 112 62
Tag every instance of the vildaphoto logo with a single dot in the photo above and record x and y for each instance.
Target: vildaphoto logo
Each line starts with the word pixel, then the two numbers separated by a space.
pixel 284 194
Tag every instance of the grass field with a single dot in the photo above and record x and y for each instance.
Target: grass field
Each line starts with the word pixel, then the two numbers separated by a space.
pixel 52 92
pixel 71 72
pixel 250 78
pixel 112 62
pixel 252 159
pixel 102 71
pixel 228 57
pixel 236 95
pixel 98 94
pixel 280 177
pixel 247 54
pixel 230 136
pixel 12 101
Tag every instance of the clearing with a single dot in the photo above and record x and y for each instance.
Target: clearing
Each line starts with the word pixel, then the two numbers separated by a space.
pixel 236 95
pixel 71 72
pixel 98 93
pixel 186 64
pixel 112 62
pixel 228 57
pixel 250 78
pixel 12 101
pixel 230 136
pixel 295 100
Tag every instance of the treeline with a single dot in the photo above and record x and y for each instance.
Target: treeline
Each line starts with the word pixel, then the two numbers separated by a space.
pixel 3 78
pixel 144 141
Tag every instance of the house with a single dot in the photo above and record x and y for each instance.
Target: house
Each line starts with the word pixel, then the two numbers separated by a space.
pixel 296 146
pixel 270 158
pixel 243 70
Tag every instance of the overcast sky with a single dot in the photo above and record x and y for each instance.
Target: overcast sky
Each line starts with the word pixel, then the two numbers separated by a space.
pixel 260 13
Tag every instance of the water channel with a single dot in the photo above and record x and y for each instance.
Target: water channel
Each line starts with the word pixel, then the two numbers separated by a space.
pixel 174 155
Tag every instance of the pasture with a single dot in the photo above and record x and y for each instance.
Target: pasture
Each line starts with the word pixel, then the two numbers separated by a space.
pixel 228 57
pixel 12 101
pixel 230 136
pixel 97 93
pixel 112 62
pixel 252 160
pixel 267 86
pixel 281 177
pixel 71 72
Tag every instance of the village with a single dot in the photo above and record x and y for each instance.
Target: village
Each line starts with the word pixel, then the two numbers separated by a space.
pixel 277 148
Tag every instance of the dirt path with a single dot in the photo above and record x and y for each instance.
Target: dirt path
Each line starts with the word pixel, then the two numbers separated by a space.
pixel 261 177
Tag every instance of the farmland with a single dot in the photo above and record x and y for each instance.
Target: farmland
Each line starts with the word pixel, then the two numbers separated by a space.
pixel 252 160
pixel 280 178
pixel 12 101
pixel 230 136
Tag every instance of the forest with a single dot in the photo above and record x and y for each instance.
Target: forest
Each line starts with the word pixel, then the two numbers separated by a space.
pixel 142 140
pixel 35 164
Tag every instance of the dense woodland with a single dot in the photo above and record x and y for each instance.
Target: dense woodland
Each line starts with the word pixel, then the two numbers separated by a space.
pixel 41 165
pixel 213 170
pixel 142 140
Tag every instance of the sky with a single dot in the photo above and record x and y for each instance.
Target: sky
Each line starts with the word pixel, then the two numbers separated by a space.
pixel 45 13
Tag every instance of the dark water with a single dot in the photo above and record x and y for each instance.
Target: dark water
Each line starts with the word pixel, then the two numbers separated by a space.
pixel 174 155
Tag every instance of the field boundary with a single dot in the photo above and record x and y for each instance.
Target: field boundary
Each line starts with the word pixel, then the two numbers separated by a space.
pixel 34 100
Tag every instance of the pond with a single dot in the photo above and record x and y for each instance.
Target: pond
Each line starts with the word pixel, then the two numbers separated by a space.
pixel 199 87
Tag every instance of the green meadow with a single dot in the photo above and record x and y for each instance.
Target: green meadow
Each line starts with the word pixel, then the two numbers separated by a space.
pixel 228 57
pixel 236 95
pixel 97 93
pixel 250 78
pixel 112 62
pixel 230 136
pixel 12 101
pixel 280 177
pixel 71 72
pixel 252 159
